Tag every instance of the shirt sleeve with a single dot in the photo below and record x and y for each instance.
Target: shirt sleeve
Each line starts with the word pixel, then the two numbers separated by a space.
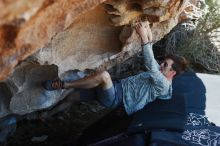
pixel 161 86
pixel 149 61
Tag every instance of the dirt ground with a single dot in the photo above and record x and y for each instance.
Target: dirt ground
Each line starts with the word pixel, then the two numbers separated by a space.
pixel 61 129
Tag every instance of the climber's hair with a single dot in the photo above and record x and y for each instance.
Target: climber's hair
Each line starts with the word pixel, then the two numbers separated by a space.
pixel 180 63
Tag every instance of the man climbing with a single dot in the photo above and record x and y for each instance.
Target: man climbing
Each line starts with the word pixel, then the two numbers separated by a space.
pixel 133 92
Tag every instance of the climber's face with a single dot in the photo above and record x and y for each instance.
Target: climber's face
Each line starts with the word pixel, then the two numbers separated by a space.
pixel 166 68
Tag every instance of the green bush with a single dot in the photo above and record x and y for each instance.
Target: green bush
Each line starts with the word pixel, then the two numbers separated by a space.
pixel 194 39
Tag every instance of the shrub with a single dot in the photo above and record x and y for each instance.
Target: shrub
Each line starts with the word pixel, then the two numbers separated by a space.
pixel 194 39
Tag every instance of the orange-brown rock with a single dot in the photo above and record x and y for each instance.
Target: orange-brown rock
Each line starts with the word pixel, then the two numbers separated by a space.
pixel 18 9
pixel 77 33
pixel 51 17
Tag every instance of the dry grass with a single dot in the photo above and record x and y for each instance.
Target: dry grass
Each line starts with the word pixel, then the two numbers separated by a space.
pixel 193 40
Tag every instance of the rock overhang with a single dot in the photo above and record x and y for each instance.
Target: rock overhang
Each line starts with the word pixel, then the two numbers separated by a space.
pixel 46 25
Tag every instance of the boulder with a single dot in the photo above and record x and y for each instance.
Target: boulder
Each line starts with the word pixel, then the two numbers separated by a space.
pixel 31 96
pixel 77 33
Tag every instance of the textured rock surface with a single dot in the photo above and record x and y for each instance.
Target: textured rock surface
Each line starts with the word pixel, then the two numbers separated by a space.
pixel 54 25
pixel 86 44
pixel 31 96
pixel 91 42
pixel 50 18
pixel 28 94
pixel 5 96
